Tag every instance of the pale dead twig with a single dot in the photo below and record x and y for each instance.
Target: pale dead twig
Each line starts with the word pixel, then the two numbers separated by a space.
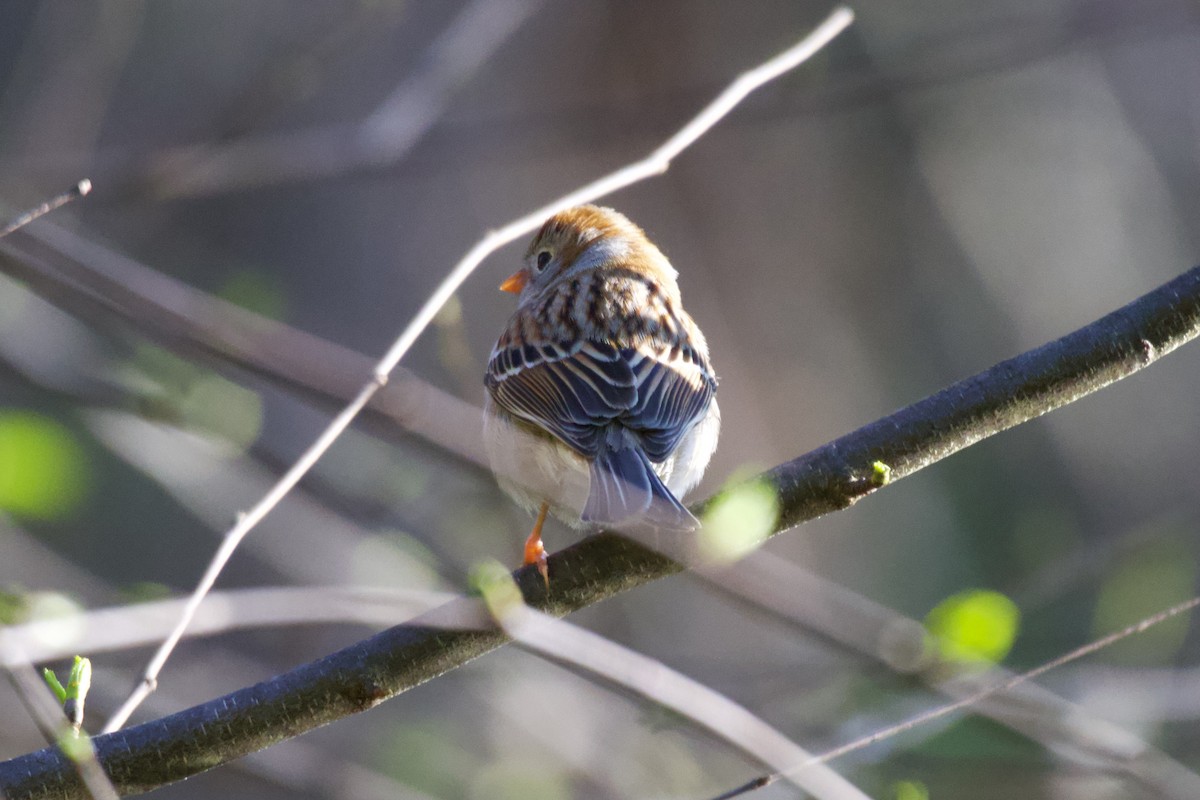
pixel 127 626
pixel 20 221
pixel 660 684
pixel 656 163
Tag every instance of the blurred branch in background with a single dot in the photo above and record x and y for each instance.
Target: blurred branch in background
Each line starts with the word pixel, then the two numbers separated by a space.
pixel 102 287
pixel 128 626
pixel 309 542
pixel 946 55
pixel 384 137
pixel 561 641
pixel 1068 729
pixel 829 478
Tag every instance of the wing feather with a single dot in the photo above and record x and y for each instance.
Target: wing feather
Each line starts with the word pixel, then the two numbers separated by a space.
pixel 576 394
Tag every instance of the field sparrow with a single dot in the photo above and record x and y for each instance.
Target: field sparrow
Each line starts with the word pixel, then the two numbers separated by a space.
pixel 600 399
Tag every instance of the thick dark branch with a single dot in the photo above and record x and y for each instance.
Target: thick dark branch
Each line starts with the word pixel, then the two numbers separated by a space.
pixel 829 478
pixel 1014 391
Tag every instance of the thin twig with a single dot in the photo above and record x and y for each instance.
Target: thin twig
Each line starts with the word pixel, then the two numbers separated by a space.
pixel 20 221
pixel 972 699
pixel 246 522
pixel 659 683
pixel 748 786
pixel 126 626
pixel 655 164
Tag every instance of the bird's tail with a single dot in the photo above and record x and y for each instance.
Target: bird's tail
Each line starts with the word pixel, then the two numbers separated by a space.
pixel 624 485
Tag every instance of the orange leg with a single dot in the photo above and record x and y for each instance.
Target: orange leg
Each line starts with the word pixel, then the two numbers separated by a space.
pixel 535 551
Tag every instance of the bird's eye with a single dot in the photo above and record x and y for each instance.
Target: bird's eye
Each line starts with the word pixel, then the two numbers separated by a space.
pixel 543 259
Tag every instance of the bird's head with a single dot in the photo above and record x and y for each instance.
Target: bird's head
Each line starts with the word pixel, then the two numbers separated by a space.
pixel 582 239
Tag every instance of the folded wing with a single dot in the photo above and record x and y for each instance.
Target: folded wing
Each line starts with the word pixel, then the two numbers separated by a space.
pixel 578 393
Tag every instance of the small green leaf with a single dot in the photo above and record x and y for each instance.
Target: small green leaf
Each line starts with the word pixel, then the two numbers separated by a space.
pixel 81 678
pixel 57 608
pixel 1151 578
pixel 75 747
pixel 14 607
pixel 500 592
pixel 739 520
pixel 52 681
pixel 187 395
pixel 974 627
pixel 512 779
pixel 257 292
pixel 881 474
pixel 73 695
pixel 43 470
pixel 212 403
pixel 145 592
pixel 910 790
pixel 428 756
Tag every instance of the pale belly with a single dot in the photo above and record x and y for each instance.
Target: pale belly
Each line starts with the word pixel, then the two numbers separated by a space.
pixel 533 467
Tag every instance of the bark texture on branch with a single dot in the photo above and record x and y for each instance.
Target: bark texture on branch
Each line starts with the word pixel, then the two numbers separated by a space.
pixel 829 478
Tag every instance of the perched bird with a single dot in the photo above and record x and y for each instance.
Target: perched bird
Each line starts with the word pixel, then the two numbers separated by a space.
pixel 600 399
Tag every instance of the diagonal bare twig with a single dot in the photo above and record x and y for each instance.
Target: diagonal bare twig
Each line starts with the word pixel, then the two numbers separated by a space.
pixel 80 189
pixel 659 683
pixel 656 163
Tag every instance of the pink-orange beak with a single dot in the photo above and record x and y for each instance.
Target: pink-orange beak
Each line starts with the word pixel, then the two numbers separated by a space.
pixel 514 283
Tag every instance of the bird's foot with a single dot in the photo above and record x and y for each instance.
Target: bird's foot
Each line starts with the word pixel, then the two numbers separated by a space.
pixel 535 551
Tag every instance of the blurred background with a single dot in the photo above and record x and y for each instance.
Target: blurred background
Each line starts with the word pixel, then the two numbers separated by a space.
pixel 948 184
